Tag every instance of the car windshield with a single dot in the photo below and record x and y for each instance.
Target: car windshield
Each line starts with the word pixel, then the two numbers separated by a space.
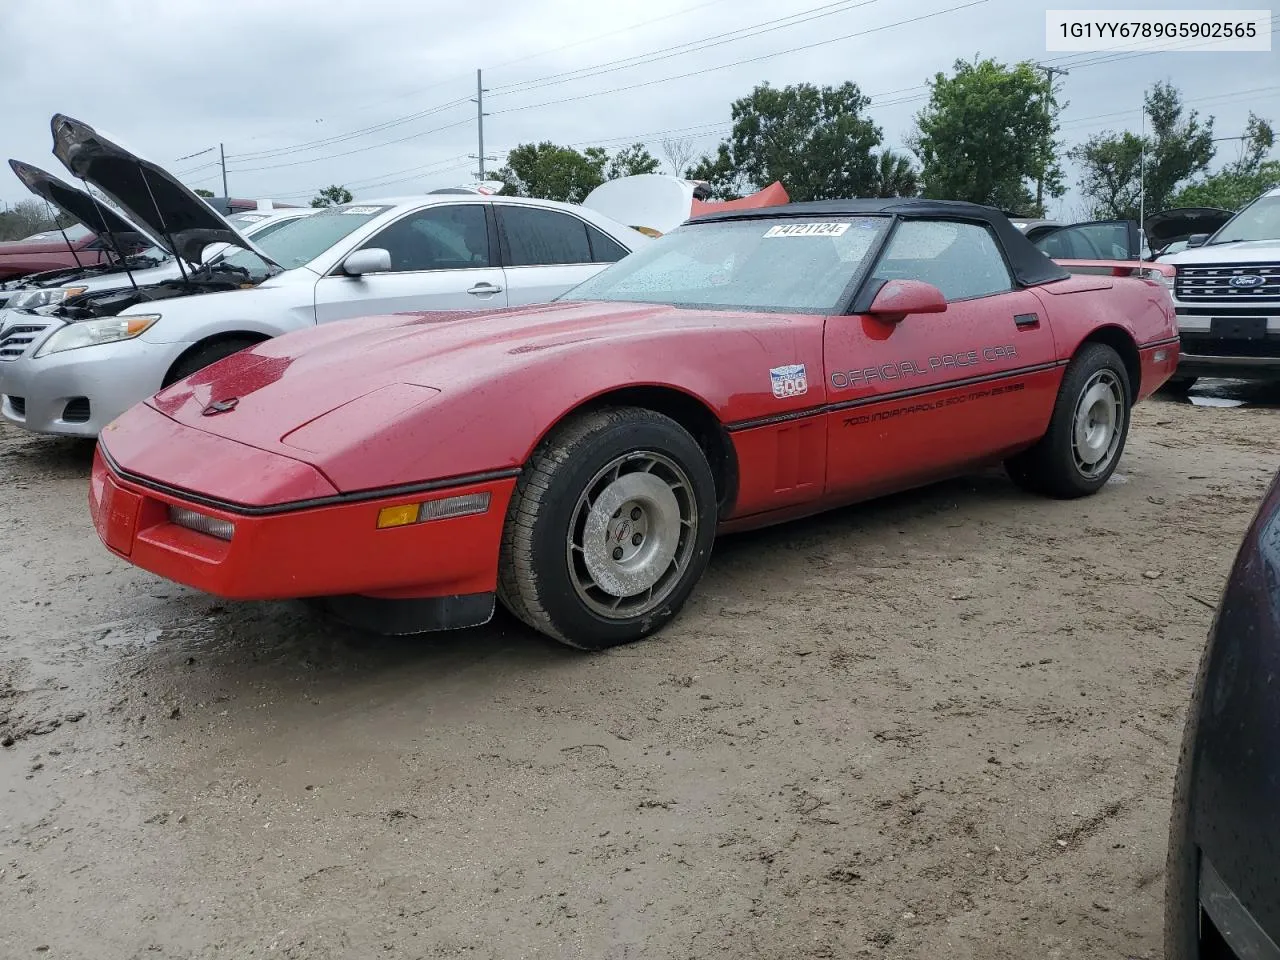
pixel 775 265
pixel 298 242
pixel 1258 221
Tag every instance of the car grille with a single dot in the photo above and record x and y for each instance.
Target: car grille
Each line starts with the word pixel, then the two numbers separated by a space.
pixel 1205 283
pixel 77 410
pixel 15 340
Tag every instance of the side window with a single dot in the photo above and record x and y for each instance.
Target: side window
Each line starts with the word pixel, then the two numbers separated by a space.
pixel 960 259
pixel 452 237
pixel 536 237
pixel 1089 241
pixel 604 249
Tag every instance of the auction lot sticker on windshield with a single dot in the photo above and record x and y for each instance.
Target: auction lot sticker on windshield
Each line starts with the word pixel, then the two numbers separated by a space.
pixel 361 211
pixel 807 230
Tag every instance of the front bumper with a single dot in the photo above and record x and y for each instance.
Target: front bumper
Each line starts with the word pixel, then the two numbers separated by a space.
pixel 328 546
pixel 1237 368
pixel 1209 354
pixel 77 392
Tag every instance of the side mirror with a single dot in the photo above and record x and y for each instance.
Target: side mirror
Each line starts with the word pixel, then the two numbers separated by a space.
pixel 368 260
pixel 1197 240
pixel 898 298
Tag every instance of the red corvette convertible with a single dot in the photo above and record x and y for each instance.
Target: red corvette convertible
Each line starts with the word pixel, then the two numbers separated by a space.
pixel 576 460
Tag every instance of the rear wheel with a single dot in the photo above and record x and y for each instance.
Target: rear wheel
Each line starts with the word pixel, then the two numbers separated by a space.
pixel 1087 430
pixel 206 354
pixel 609 529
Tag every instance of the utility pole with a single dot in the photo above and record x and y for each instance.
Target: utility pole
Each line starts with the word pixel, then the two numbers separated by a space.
pixel 1046 145
pixel 222 155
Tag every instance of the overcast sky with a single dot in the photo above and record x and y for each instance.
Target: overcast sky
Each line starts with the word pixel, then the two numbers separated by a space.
pixel 269 78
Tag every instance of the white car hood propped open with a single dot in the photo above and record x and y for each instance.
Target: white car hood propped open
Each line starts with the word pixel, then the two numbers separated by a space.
pixel 95 215
pixel 145 191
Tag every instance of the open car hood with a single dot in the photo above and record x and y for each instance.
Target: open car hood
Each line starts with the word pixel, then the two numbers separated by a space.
pixel 655 203
pixel 1169 226
pixel 144 190
pixel 75 203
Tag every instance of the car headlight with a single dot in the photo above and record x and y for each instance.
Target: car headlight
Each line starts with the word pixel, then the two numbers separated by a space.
pixel 89 333
pixel 48 297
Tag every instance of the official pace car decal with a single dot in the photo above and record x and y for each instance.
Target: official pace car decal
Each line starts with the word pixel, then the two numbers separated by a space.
pixel 905 369
pixel 807 230
pixel 789 381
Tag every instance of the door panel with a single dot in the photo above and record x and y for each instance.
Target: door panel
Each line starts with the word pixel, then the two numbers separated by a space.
pixel 340 297
pixel 546 252
pixel 526 285
pixel 934 393
pixel 441 259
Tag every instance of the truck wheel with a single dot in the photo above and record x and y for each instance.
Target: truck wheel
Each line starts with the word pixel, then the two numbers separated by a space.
pixel 609 528
pixel 1087 430
pixel 204 355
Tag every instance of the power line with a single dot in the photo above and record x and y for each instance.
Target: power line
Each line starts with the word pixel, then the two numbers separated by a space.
pixel 349 135
pixel 738 63
pixel 408 118
pixel 1213 96
pixel 612 33
pixel 693 46
pixel 347 153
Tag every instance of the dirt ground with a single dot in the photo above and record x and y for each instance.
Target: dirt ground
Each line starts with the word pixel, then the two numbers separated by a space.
pixel 939 725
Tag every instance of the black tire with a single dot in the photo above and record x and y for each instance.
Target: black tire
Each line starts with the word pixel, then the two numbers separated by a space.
pixel 1178 386
pixel 540 576
pixel 1050 467
pixel 204 355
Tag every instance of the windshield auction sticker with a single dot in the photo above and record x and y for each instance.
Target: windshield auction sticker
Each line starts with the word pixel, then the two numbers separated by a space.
pixel 807 230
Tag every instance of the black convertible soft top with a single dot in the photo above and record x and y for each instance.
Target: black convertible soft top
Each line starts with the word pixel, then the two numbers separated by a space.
pixel 1030 267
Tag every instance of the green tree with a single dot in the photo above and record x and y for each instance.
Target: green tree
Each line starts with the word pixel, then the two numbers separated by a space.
pixel 1241 180
pixel 632 161
pixel 895 176
pixel 1228 190
pixel 203 193
pixel 1111 179
pixel 718 171
pixel 1179 147
pixel 331 196
pixel 26 217
pixel 817 140
pixel 988 132
pixel 551 172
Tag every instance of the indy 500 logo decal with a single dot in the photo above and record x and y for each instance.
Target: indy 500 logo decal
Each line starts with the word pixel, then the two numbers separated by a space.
pixel 789 381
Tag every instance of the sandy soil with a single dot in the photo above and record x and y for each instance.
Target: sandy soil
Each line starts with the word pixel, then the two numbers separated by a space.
pixel 939 725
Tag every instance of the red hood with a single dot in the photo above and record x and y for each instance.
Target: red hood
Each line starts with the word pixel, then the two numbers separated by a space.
pixel 317 393
pixel 11 247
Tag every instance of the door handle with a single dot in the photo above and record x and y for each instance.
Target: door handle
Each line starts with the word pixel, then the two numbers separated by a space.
pixel 1026 321
pixel 481 289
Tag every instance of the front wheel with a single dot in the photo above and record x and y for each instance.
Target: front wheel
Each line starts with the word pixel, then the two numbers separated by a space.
pixel 1087 430
pixel 609 529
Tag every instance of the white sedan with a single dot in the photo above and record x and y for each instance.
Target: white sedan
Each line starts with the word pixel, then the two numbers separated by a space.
pixel 78 368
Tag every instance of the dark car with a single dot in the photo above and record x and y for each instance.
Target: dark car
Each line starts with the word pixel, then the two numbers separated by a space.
pixel 1222 899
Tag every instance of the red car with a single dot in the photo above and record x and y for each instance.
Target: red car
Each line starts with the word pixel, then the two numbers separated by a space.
pixel 577 459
